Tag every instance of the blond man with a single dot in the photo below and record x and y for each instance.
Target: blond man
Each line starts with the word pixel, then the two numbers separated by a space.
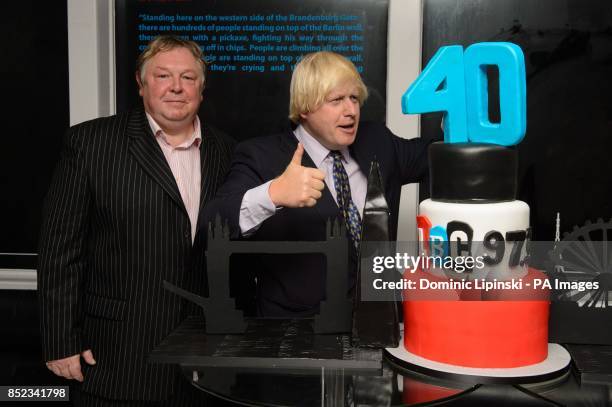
pixel 120 217
pixel 285 186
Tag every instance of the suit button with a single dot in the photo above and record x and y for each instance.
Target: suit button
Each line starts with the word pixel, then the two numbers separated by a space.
pixel 187 235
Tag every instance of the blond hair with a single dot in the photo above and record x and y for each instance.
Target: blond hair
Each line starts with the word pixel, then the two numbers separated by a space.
pixel 315 76
pixel 164 43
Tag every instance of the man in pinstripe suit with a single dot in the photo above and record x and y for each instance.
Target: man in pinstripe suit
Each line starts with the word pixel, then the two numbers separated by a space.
pixel 121 217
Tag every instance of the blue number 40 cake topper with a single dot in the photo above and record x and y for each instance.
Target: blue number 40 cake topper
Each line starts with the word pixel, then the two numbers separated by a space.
pixel 455 82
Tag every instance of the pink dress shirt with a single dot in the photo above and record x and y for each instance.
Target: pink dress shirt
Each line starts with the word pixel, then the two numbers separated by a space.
pixel 184 162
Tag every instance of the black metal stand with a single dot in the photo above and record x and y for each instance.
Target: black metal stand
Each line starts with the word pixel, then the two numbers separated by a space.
pixel 228 339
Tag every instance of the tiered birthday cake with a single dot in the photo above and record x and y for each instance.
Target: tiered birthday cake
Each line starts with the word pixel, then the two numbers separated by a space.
pixel 473 206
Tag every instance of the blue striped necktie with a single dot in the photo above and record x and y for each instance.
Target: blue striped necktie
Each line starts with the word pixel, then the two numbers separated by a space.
pixel 343 197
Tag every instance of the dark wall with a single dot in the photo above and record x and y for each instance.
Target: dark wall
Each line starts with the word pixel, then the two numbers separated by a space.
pixel 35 113
pixel 565 163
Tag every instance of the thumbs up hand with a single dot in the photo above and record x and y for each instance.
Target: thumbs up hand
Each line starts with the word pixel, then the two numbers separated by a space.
pixel 298 186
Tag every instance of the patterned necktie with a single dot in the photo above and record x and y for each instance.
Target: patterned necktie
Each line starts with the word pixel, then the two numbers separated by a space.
pixel 345 202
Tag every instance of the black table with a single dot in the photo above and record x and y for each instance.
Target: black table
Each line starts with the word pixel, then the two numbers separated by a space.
pixel 293 384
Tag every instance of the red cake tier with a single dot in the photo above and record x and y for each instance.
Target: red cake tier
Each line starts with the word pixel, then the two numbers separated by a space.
pixel 481 334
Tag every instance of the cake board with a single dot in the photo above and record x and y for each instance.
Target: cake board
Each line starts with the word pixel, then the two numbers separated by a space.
pixel 555 365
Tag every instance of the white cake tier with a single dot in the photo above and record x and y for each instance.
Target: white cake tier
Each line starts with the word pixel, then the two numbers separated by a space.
pixel 483 219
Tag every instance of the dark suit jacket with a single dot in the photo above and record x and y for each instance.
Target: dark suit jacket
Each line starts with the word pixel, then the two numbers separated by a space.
pixel 293 285
pixel 114 228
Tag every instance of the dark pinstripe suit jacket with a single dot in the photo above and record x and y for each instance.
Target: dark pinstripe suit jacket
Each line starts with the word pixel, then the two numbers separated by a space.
pixel 114 228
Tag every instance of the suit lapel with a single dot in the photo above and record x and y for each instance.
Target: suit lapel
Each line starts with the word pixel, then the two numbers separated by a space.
pixel 362 154
pixel 210 160
pixel 146 150
pixel 364 150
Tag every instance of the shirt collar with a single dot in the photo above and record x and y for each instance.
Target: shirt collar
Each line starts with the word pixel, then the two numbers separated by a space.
pixel 195 139
pixel 317 151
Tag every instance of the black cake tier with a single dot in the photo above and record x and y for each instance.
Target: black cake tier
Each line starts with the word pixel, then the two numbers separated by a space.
pixel 472 172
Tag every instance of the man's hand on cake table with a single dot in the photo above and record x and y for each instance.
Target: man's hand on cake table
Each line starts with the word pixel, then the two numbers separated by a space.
pixel 298 186
pixel 70 367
